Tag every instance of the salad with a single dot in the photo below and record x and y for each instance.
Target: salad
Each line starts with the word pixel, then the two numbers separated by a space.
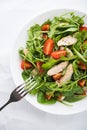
pixel 55 55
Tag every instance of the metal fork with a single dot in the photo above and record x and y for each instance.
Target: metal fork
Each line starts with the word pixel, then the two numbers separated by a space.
pixel 21 91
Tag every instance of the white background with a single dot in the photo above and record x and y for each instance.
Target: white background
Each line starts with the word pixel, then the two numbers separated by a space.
pixel 14 14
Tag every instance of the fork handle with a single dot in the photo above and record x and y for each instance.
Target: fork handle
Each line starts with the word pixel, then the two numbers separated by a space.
pixel 9 101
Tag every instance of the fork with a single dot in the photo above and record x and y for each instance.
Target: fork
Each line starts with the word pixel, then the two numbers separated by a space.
pixel 22 90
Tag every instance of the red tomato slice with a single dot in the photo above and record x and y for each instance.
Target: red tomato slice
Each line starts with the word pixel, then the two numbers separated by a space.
pixel 82 65
pixel 48 46
pixel 25 65
pixel 83 28
pixel 45 27
pixel 48 97
pixel 85 41
pixel 57 76
pixel 39 64
pixel 58 54
pixel 81 83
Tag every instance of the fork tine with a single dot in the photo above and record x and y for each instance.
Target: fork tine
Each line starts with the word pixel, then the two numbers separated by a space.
pixel 28 83
pixel 28 86
pixel 18 90
pixel 32 87
pixel 25 82
pixel 28 79
pixel 23 93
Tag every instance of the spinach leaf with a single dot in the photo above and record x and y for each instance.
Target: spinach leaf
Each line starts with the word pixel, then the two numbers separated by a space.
pixel 33 91
pixel 41 99
pixel 74 98
pixel 67 30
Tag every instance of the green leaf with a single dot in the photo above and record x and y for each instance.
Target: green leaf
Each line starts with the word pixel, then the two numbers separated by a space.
pixel 26 74
pixel 52 62
pixel 32 32
pixel 41 99
pixel 81 36
pixel 33 91
pixel 84 46
pixel 74 98
pixel 21 53
pixel 67 30
pixel 85 54
pixel 80 55
pixel 49 64
pixel 77 19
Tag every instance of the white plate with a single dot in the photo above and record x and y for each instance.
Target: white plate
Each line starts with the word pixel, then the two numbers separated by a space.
pixel 57 108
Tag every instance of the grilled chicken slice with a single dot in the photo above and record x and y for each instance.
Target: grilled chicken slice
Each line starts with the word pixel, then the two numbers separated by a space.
pixel 69 52
pixel 57 68
pixel 68 74
pixel 67 41
pixel 85 89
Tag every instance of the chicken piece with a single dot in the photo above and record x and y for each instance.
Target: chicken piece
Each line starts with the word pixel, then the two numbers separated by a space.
pixel 62 48
pixel 67 41
pixel 68 74
pixel 25 51
pixel 34 72
pixel 61 98
pixel 57 68
pixel 69 52
pixel 85 89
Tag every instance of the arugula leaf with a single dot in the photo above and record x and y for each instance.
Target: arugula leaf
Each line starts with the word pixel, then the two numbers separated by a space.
pixel 52 62
pixel 49 64
pixel 27 57
pixel 84 46
pixel 26 74
pixel 33 31
pixel 63 25
pixel 67 30
pixel 80 55
pixel 85 54
pixel 81 37
pixel 77 19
